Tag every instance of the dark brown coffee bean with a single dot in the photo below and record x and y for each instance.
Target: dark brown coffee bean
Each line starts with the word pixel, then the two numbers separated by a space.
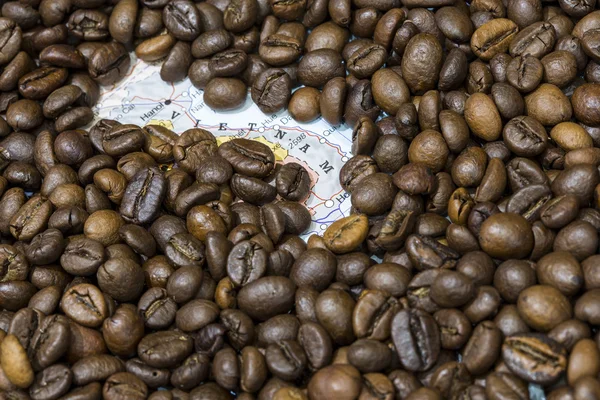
pixel 109 63
pixel 240 15
pixel 272 90
pixel 267 297
pixel 536 40
pixel 12 38
pixel 124 384
pixel 534 357
pixel 143 196
pixel 85 304
pixel 165 349
pixel 493 37
pixel 359 102
pixel 539 311
pixel 417 339
pixel 485 336
pixel 279 50
pixel 428 66
pixel 182 19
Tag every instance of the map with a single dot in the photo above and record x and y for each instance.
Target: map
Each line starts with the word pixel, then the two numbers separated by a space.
pixel 142 98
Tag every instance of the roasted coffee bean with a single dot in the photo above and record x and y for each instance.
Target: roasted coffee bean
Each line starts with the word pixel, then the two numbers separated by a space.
pixel 157 309
pixel 415 179
pixel 182 19
pixel 325 382
pixel 517 244
pixel 143 196
pixel 375 194
pixel 252 190
pixel 12 38
pixel 39 83
pixel 153 377
pixel 547 299
pixel 88 24
pixel 246 262
pixel 485 336
pixel 373 313
pixel 267 297
pixel 286 359
pixel 534 357
pixel 332 100
pixel 240 15
pixel 392 232
pixel 425 253
pixel 293 182
pixel 416 337
pixel 357 168
pixel 501 384
pixel 225 93
pixel 304 104
pixel 493 37
pixel 122 139
pixel 360 102
pixel 85 304
pixel 455 328
pixel 369 355
pixel 121 278
pixel 132 163
pixel 16 366
pixel 346 234
pixel 271 90
pixel 124 384
pixel 165 349
pixel 279 50
pixel 24 115
pixel 109 63
pixel 30 218
pixel 525 136
pixel 429 65
pixel 248 157
pixel 452 289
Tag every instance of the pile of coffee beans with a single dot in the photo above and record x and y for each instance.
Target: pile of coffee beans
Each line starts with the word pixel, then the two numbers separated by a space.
pixel 138 262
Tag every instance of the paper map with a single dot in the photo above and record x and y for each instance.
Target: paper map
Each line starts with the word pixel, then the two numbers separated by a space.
pixel 142 98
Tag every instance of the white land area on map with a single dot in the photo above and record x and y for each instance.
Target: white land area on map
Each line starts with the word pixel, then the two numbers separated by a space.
pixel 142 98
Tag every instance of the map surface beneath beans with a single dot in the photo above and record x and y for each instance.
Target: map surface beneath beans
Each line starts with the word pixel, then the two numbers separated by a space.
pixel 142 98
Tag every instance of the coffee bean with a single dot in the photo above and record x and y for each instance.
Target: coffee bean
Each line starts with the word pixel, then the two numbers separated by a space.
pixel 346 234
pixel 124 384
pixel 485 336
pixel 109 63
pixel 266 297
pixel 14 363
pixel 417 339
pixel 493 37
pixel 165 349
pixel 182 19
pixel 375 194
pixel 360 102
pixel 501 383
pixel 85 304
pixel 143 196
pixel 153 377
pixel 95 368
pixel 537 298
pixel 271 90
pixel 534 357
pixel 335 380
